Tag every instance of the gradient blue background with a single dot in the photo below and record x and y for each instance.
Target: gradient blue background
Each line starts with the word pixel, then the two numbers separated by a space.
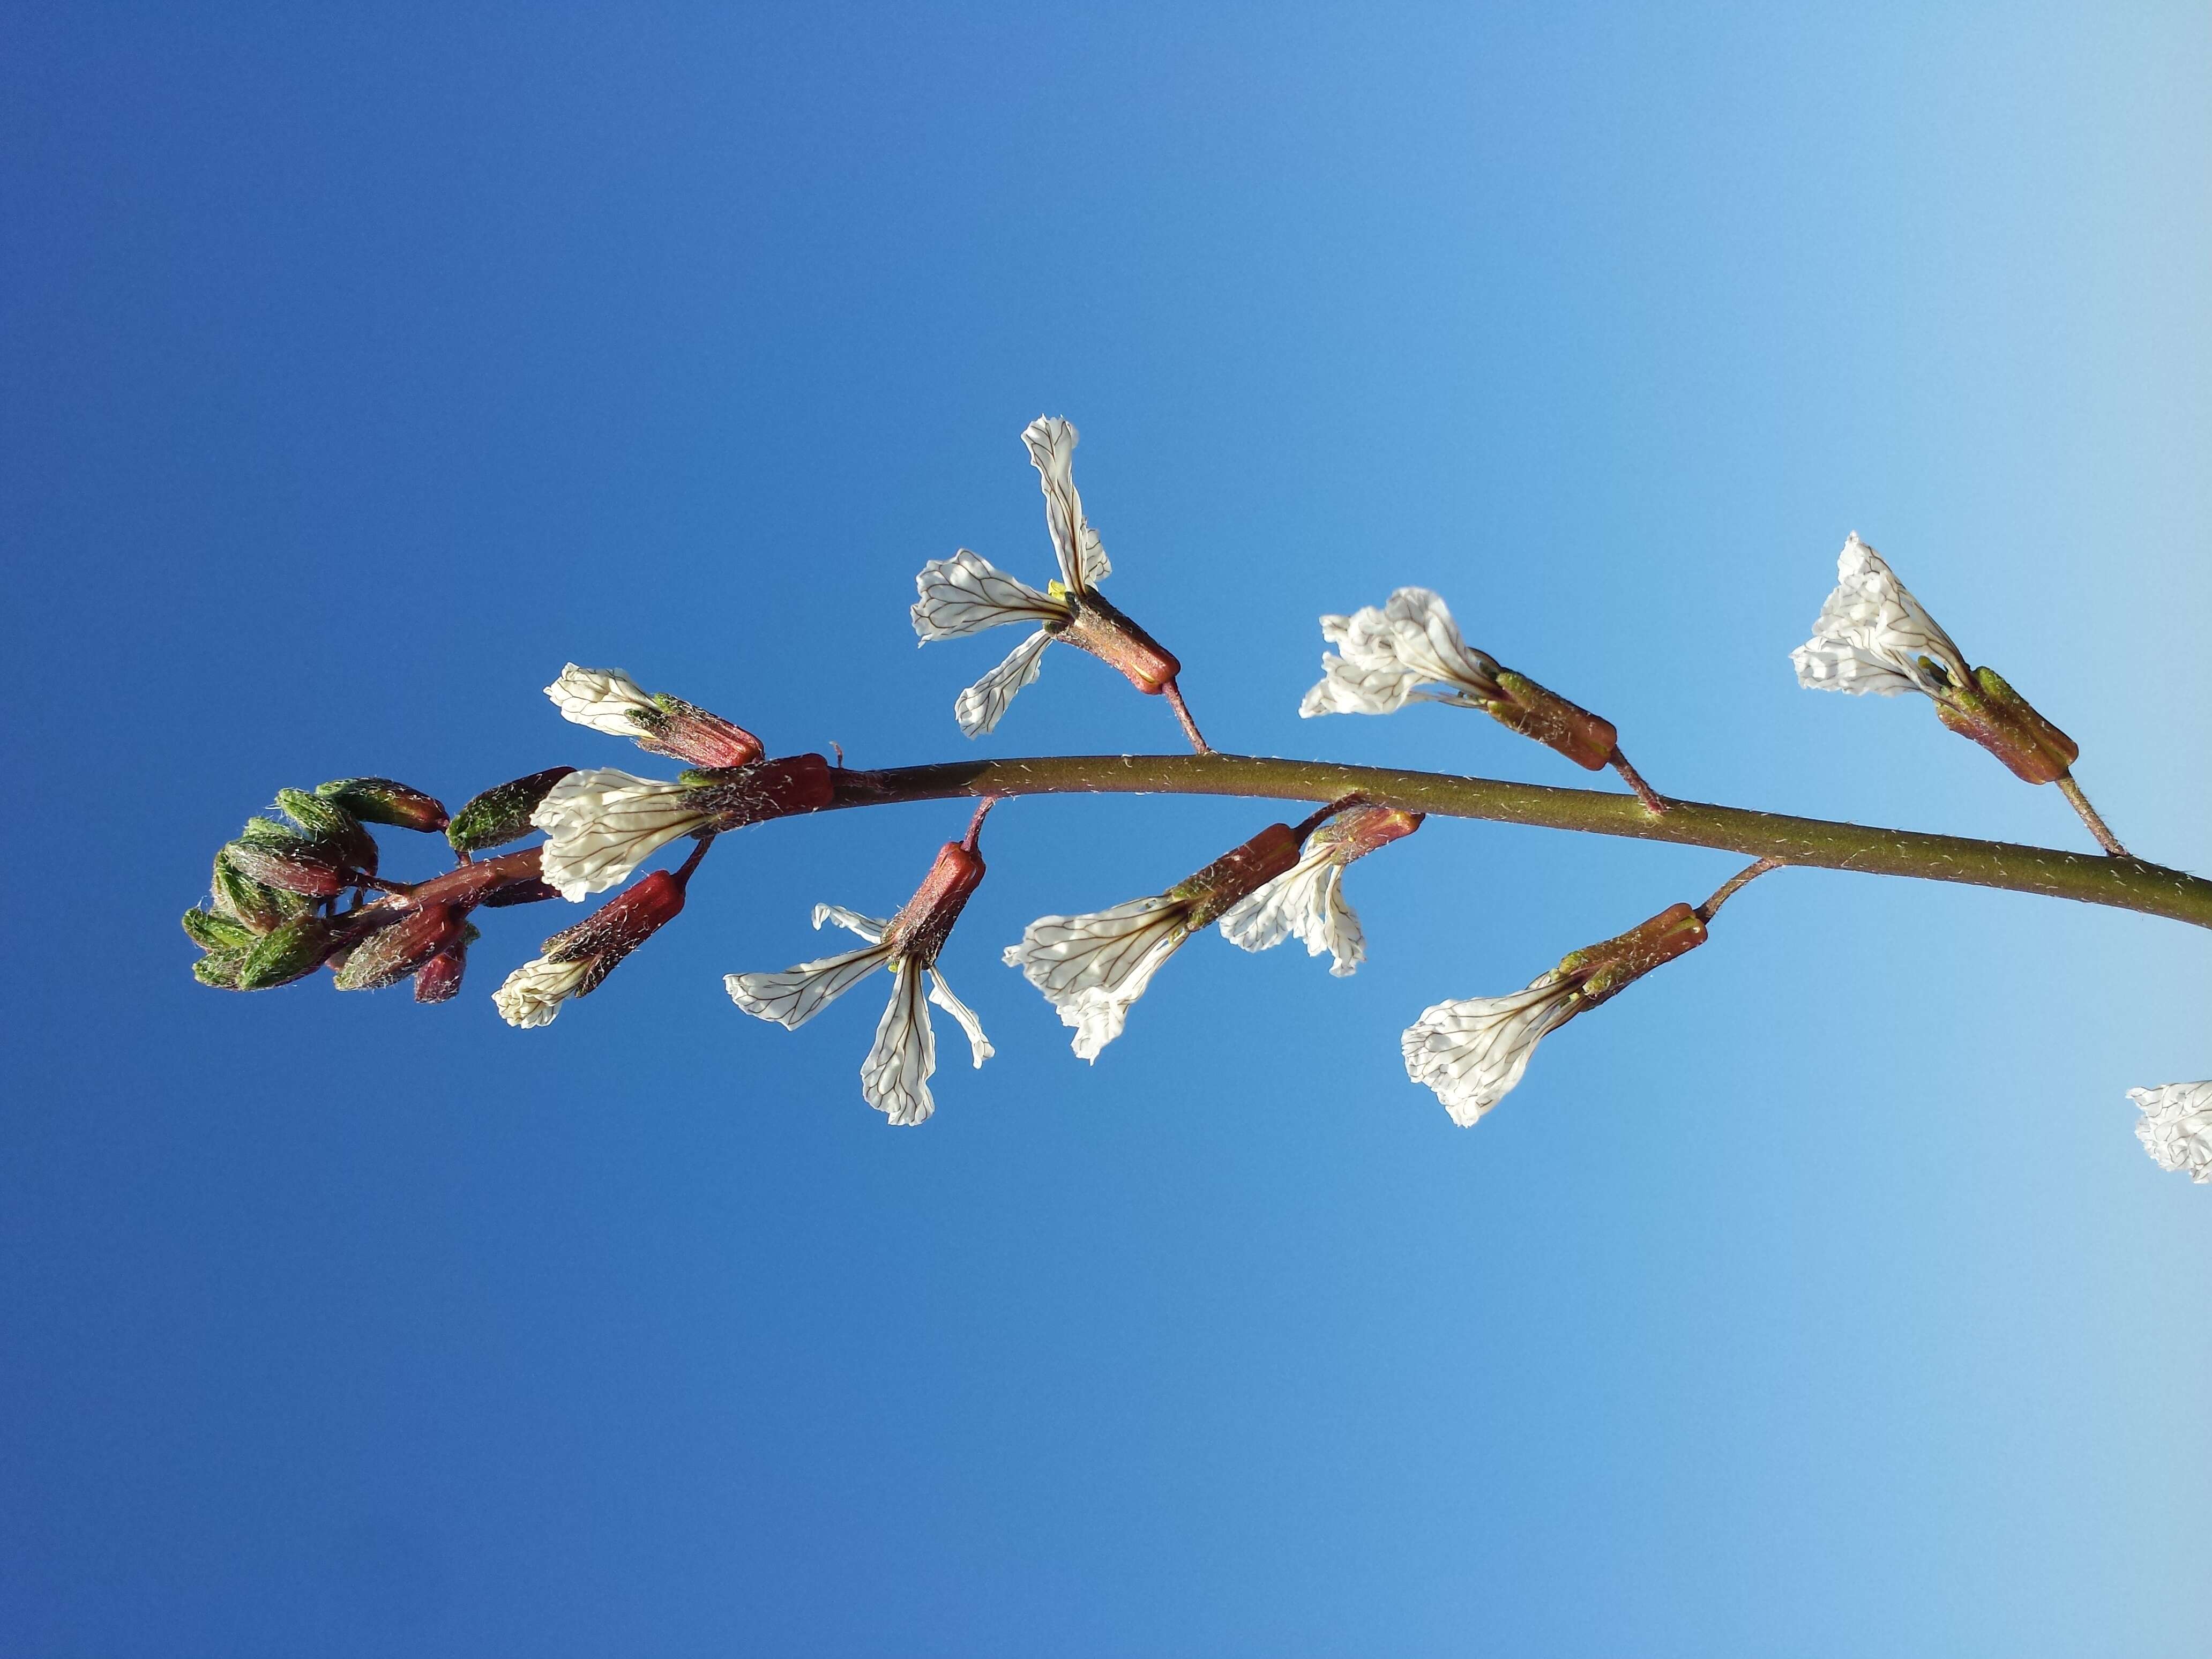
pixel 1814 1298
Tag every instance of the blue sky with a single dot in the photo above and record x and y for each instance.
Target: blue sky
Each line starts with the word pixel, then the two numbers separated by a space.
pixel 1814 1298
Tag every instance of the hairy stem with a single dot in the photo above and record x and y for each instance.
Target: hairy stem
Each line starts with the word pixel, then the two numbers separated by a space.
pixel 2127 883
pixel 2105 838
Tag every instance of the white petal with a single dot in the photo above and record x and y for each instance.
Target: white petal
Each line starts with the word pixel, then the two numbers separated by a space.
pixel 1091 968
pixel 941 993
pixel 533 992
pixel 1872 633
pixel 868 927
pixel 601 825
pixel 1386 652
pixel 1051 441
pixel 1473 1052
pixel 965 594
pixel 981 705
pixel 894 1077
pixel 1333 926
pixel 601 698
pixel 797 994
pixel 2176 1126
pixel 1266 916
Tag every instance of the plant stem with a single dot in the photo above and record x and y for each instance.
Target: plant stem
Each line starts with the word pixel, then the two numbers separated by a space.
pixel 2127 883
pixel 2105 838
pixel 1750 872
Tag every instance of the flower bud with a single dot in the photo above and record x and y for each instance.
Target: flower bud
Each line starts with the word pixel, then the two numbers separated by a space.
pixel 238 895
pixel 1102 629
pixel 305 867
pixel 2006 724
pixel 527 891
pixel 1237 873
pixel 501 813
pixel 687 733
pixel 331 827
pixel 616 928
pixel 218 970
pixel 768 789
pixel 382 800
pixel 213 930
pixel 440 979
pixel 295 951
pixel 924 921
pixel 400 946
pixel 1527 707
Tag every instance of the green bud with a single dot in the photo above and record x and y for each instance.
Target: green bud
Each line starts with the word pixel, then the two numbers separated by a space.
pixel 238 895
pixel 501 813
pixel 330 825
pixel 294 951
pixel 384 801
pixel 219 969
pixel 298 865
pixel 212 931
pixel 268 832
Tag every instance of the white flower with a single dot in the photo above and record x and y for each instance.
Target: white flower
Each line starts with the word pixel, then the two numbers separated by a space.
pixel 1388 653
pixel 1092 968
pixel 601 825
pixel 966 594
pixel 1872 635
pixel 533 992
pixel 894 1077
pixel 2176 1126
pixel 1307 901
pixel 1472 1051
pixel 604 699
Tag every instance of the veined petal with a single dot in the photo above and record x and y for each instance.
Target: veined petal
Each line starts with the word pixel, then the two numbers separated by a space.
pixel 601 698
pixel 868 927
pixel 1386 652
pixel 1356 687
pixel 533 992
pixel 601 825
pixel 1471 1051
pixel 1051 442
pixel 979 1046
pixel 894 1077
pixel 2176 1127
pixel 797 994
pixel 1871 635
pixel 966 594
pixel 1091 968
pixel 1305 901
pixel 983 704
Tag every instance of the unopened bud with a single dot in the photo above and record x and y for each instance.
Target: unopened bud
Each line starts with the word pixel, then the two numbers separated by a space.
pixel 919 929
pixel 303 866
pixel 527 891
pixel 382 800
pixel 617 928
pixel 219 969
pixel 295 951
pixel 440 978
pixel 238 895
pixel 1237 873
pixel 501 813
pixel 1585 739
pixel 331 827
pixel 213 930
pixel 1102 630
pixel 400 947
pixel 689 733
pixel 2006 724
pixel 768 789
pixel 1604 970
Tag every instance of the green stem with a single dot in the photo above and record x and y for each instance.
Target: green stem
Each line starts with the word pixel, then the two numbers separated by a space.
pixel 2129 884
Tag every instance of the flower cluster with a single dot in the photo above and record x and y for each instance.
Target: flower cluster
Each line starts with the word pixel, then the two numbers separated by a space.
pixel 2176 1127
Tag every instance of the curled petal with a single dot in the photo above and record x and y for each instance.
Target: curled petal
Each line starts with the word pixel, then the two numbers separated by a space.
pixel 966 594
pixel 533 992
pixel 797 994
pixel 979 1046
pixel 983 704
pixel 604 699
pixel 1471 1051
pixel 894 1077
pixel 851 921
pixel 601 825
pixel 1051 441
pixel 1383 654
pixel 1306 901
pixel 1091 968
pixel 2176 1127
pixel 1871 635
